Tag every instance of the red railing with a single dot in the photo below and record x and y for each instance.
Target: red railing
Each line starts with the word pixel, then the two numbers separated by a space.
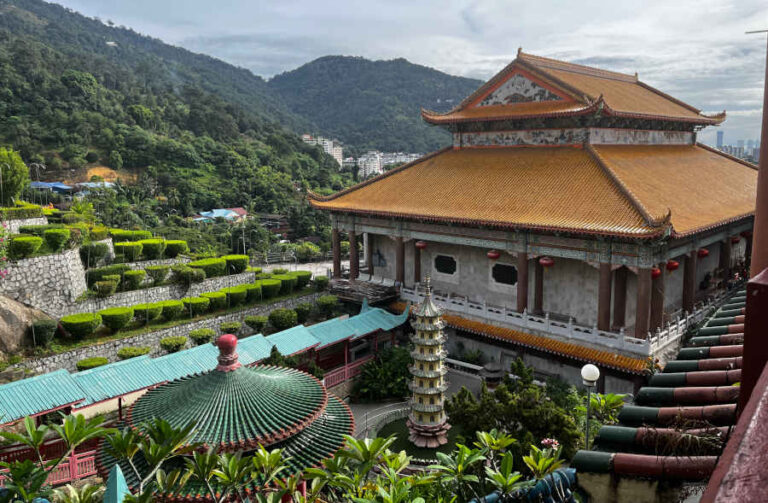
pixel 50 450
pixel 77 466
pixel 341 374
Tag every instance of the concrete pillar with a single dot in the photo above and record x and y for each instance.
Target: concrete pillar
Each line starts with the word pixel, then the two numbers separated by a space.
pixel 604 298
pixel 689 281
pixel 642 312
pixel 522 281
pixel 336 245
pixel 369 252
pixel 354 258
pixel 399 260
pixel 758 258
pixel 416 263
pixel 620 297
pixel 725 259
pixel 657 301
pixel 538 289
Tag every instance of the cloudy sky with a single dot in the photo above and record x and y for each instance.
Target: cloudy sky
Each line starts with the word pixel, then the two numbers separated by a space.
pixel 695 50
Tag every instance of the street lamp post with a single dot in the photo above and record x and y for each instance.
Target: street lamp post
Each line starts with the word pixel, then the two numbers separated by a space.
pixel 589 376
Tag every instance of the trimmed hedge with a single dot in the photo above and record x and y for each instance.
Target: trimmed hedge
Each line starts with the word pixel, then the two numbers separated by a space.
pixel 303 311
pixel 279 270
pixel 39 230
pixel 283 319
pixel 152 248
pixel 122 236
pixel 212 266
pixel 230 327
pixel 132 279
pixel 327 304
pixel 157 273
pixel 235 295
pixel 80 326
pixel 146 313
pixel 321 283
pixel 257 323
pixel 195 305
pixel 105 288
pixel 202 336
pixel 21 212
pixel 270 288
pixel 171 309
pixel 218 300
pixel 129 251
pixel 287 283
pixel 175 247
pixel 56 238
pixel 173 344
pixel 113 277
pixel 92 253
pixel 116 318
pixel 236 263
pixel 98 273
pixel 41 332
pixel 91 363
pixel 133 352
pixel 263 275
pixel 255 270
pixel 24 246
pixel 253 292
pixel 187 275
pixel 302 278
pixel 98 233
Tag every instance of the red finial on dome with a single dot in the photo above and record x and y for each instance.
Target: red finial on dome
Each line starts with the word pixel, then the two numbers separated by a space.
pixel 227 344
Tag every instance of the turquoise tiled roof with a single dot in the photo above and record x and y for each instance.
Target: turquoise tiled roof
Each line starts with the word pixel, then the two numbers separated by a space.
pixel 38 394
pixel 293 340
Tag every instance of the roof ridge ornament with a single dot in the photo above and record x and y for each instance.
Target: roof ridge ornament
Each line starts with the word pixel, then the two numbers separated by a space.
pixel 228 358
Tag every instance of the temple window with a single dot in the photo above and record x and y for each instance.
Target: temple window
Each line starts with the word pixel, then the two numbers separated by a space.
pixel 504 274
pixel 431 419
pixel 420 418
pixel 421 383
pixel 421 400
pixel 421 351
pixel 431 401
pixel 445 264
pixel 421 366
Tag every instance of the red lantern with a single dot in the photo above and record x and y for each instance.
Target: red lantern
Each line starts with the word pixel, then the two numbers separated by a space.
pixel 703 252
pixel 547 261
pixel 672 265
pixel 493 254
pixel 655 272
pixel 746 234
pixel 421 245
pixel 735 239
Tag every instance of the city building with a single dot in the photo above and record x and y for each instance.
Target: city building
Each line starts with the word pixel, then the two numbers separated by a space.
pixel 575 219
pixel 720 135
pixel 330 147
pixel 370 164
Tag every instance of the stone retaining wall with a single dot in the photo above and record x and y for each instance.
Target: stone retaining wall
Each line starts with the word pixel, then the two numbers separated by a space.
pixel 164 261
pixel 156 294
pixel 13 225
pixel 50 283
pixel 109 349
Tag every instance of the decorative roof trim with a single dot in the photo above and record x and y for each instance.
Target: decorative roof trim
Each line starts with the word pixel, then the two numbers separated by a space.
pixel 713 226
pixel 556 64
pixel 435 118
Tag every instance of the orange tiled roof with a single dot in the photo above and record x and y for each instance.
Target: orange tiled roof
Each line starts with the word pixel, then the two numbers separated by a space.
pixel 600 357
pixel 515 111
pixel 547 188
pixel 616 94
pixel 700 187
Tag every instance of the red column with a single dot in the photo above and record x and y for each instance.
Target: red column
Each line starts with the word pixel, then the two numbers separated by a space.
pixel 336 245
pixel 620 297
pixel 538 289
pixel 399 260
pixel 643 303
pixel 755 340
pixel 657 300
pixel 689 281
pixel 725 259
pixel 369 254
pixel 354 259
pixel 522 281
pixel 604 298
pixel 760 229
pixel 416 263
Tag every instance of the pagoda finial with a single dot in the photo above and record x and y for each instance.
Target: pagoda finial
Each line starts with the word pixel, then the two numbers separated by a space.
pixel 228 359
pixel 428 286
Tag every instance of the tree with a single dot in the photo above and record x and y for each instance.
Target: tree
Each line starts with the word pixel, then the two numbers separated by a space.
pixel 115 160
pixel 14 176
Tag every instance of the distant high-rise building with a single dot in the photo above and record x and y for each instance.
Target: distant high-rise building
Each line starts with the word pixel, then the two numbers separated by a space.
pixel 720 139
pixel 331 147
pixel 740 144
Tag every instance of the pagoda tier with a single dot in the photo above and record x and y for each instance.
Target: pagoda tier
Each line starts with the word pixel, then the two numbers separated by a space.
pixel 427 422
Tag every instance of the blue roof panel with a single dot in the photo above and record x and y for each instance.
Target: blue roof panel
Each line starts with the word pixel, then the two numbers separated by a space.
pixel 38 394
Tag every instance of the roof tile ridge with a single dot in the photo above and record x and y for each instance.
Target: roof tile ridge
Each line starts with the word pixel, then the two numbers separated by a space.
pixel 543 74
pixel 714 225
pixel 728 156
pixel 669 97
pixel 557 64
pixel 652 222
pixel 315 197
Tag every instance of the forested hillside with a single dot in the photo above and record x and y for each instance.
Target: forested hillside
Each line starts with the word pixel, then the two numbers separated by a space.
pixel 373 104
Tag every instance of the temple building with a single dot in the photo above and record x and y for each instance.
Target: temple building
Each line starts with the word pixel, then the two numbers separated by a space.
pixel 574 219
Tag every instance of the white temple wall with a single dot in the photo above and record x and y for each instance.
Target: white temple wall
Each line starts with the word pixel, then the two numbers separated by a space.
pixel 571 289
pixel 673 289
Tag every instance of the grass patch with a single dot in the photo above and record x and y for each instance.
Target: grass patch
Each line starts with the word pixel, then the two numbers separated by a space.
pixel 400 430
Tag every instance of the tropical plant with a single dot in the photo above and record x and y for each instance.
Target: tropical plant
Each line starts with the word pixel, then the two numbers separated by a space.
pixel 386 376
pixel 83 494
pixel 456 472
pixel 15 175
pixel 542 462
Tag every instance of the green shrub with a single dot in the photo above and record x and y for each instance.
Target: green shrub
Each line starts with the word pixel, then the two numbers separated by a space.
pixel 115 318
pixel 218 300
pixel 42 331
pixel 112 277
pixel 146 313
pixel 253 292
pixel 303 311
pixel 176 247
pixel 39 230
pixel 77 234
pixel 236 263
pixel 132 279
pixel 70 217
pixel 21 212
pixel 56 238
pixel 129 251
pixel 133 352
pixel 92 253
pixel 122 236
pixel 98 273
pixel 139 235
pixel 202 336
pixel 152 248
pixel 105 288
pixel 185 275
pixel 80 326
pixel 195 306
pixel 287 283
pixel 91 363
pixel 157 273
pixel 263 275
pixel 24 246
pixel 279 270
pixel 231 327
pixel 321 283
pixel 257 323
pixel 302 278
pixel 98 233
pixel 254 270
pixel 173 344
pixel 212 266
pixel 171 309
pixel 235 295
pixel 282 319
pixel 327 304
pixel 270 288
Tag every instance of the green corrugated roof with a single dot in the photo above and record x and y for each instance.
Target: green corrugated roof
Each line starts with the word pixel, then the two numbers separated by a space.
pixel 293 340
pixel 109 381
pixel 38 394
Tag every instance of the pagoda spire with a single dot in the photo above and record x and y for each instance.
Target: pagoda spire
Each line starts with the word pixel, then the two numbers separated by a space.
pixel 427 422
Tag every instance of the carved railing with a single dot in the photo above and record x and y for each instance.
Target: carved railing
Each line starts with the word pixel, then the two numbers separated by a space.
pixel 344 373
pixel 75 467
